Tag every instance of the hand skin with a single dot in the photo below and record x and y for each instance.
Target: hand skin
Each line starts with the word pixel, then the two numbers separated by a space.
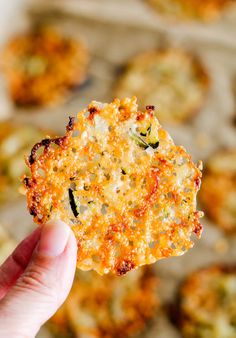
pixel 36 279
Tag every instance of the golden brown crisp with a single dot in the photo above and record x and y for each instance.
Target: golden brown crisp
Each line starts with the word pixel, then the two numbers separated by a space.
pixel 208 303
pixel 206 10
pixel 117 178
pixel 172 79
pixel 15 143
pixel 218 193
pixel 42 66
pixel 108 306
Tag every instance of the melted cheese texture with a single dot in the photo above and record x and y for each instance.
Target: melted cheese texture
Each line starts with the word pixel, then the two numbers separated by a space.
pixel 208 303
pixel 218 194
pixel 172 79
pixel 108 306
pixel 42 66
pixel 191 9
pixel 117 178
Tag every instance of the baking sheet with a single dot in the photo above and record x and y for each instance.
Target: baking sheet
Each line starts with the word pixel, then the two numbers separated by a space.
pixel 111 44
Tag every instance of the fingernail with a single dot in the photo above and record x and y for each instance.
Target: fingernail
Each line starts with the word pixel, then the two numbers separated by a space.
pixel 53 240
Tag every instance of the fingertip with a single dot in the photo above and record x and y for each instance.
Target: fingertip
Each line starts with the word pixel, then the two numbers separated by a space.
pixel 54 238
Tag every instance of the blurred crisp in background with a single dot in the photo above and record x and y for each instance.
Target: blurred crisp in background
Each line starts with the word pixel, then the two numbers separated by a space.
pixel 179 55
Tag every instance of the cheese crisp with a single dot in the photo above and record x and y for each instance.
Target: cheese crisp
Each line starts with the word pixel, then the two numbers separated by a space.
pixel 172 79
pixel 42 66
pixel 218 194
pixel 108 306
pixel 206 10
pixel 208 303
pixel 117 178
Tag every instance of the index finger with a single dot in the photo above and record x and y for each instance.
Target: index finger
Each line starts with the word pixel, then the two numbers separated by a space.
pixel 16 263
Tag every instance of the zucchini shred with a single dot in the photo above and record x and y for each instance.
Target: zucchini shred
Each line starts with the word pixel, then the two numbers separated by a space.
pixel 128 205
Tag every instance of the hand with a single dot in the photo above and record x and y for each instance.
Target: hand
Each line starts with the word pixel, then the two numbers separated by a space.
pixel 36 279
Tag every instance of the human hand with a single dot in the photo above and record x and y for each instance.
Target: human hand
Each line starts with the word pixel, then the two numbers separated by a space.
pixel 36 279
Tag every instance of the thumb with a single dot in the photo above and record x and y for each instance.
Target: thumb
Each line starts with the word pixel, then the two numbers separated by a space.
pixel 43 286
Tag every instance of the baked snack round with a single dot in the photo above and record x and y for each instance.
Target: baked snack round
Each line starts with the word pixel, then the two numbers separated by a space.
pixel 117 178
pixel 108 306
pixel 172 79
pixel 42 66
pixel 207 10
pixel 208 303
pixel 15 141
pixel 218 193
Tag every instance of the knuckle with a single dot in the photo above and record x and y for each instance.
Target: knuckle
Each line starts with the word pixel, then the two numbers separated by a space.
pixel 37 279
